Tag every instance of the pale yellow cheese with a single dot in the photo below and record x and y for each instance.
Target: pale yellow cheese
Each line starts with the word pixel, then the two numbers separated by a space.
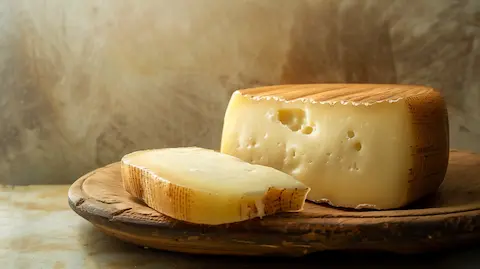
pixel 354 145
pixel 206 187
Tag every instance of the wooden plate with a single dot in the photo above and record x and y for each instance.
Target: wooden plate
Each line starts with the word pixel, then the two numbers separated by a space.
pixel 447 219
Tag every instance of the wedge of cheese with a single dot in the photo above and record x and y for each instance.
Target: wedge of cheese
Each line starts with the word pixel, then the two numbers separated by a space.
pixel 354 145
pixel 206 187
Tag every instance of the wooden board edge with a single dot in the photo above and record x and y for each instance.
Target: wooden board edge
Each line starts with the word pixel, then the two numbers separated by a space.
pixel 281 242
pixel 283 245
pixel 292 236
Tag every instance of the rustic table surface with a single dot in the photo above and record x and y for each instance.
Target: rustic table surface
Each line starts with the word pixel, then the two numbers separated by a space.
pixel 39 230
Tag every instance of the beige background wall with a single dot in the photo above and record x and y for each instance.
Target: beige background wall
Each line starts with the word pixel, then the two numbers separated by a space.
pixel 84 82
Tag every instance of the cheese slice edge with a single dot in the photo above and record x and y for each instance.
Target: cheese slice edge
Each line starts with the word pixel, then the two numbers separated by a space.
pixel 202 186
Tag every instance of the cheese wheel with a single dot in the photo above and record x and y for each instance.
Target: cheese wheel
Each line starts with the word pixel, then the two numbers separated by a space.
pixel 354 145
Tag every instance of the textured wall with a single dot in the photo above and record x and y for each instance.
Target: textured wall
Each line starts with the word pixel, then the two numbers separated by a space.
pixel 84 82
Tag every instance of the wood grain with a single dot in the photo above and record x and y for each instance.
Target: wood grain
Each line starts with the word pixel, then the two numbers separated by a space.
pixel 448 219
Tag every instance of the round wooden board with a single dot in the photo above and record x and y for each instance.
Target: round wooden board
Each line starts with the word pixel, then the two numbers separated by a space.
pixel 449 218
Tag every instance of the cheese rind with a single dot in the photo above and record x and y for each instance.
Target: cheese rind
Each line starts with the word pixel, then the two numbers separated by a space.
pixel 354 145
pixel 206 187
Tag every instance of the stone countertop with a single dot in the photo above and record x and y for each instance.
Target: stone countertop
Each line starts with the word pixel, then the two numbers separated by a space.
pixel 39 230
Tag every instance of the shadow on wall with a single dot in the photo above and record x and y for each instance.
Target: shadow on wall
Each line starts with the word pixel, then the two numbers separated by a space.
pixel 85 83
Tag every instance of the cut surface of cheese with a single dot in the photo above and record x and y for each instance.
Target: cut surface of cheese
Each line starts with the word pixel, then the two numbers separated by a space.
pixel 203 186
pixel 355 145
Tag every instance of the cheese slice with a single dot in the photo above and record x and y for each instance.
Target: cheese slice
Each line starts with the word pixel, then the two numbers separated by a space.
pixel 354 145
pixel 206 187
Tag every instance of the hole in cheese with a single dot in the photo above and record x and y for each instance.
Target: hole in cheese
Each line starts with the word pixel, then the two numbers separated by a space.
pixel 291 118
pixel 251 142
pixel 307 129
pixel 357 146
pixel 350 134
